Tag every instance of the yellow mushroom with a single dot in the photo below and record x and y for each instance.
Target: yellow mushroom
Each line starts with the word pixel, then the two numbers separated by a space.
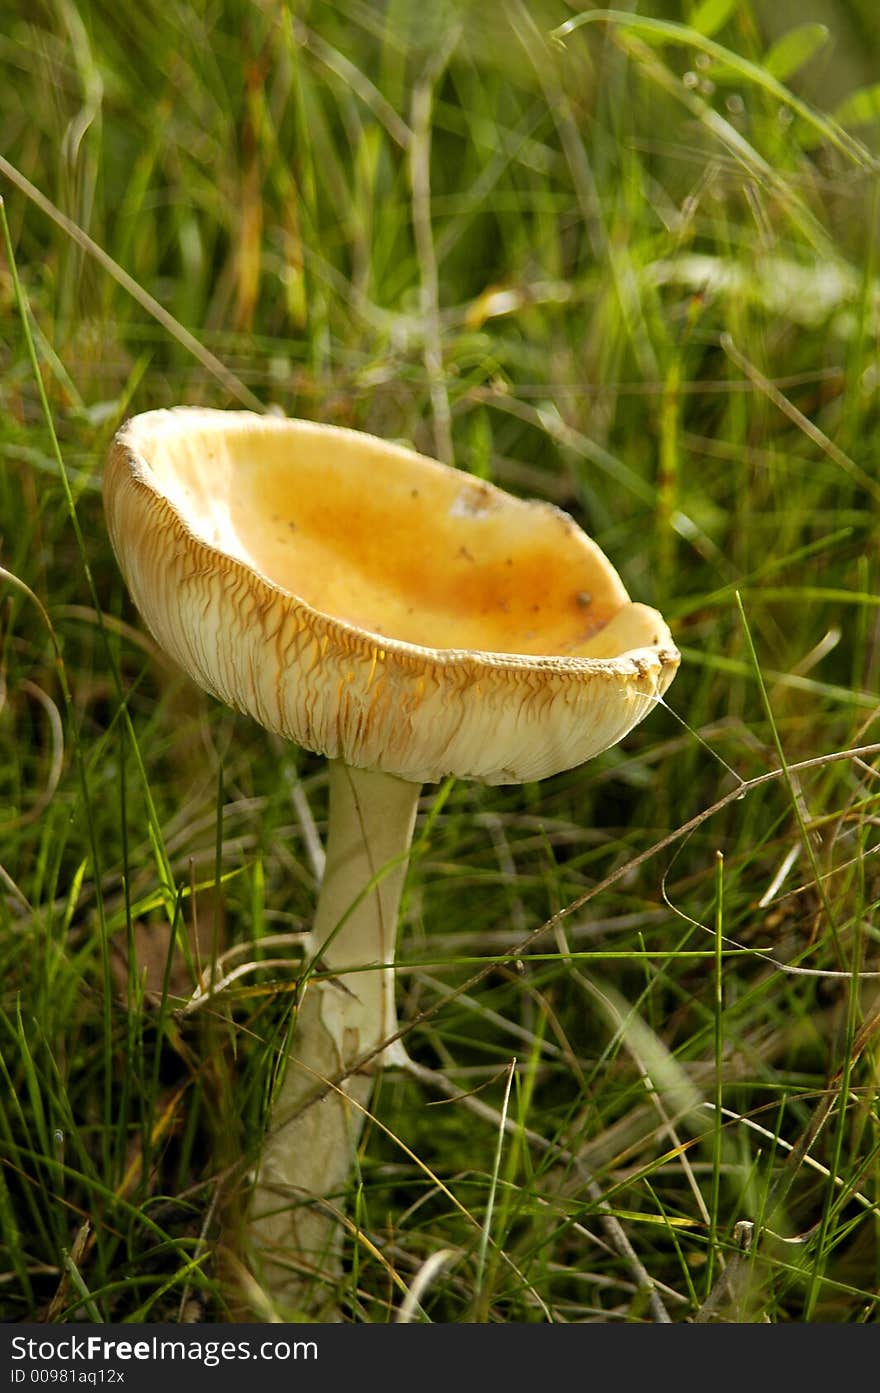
pixel 407 621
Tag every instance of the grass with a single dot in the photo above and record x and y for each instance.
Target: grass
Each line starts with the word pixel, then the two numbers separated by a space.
pixel 630 269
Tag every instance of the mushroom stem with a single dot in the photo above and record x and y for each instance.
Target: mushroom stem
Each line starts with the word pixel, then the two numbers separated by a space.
pixel 314 1130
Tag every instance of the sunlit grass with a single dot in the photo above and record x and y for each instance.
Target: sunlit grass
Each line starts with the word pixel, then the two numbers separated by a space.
pixel 629 273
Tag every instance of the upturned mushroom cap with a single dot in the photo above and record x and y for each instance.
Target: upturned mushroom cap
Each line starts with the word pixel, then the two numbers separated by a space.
pixel 373 605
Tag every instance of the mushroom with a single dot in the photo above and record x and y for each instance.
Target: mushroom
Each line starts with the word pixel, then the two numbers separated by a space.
pixel 409 622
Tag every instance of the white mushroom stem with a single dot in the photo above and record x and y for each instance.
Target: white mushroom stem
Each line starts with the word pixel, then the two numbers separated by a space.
pixel 314 1129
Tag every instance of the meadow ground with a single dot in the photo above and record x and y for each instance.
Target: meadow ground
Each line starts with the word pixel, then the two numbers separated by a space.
pixel 630 269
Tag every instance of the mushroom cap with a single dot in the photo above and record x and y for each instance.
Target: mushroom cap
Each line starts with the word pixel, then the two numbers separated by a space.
pixel 373 605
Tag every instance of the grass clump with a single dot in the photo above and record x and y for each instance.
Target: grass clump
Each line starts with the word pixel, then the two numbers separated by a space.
pixel 629 268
